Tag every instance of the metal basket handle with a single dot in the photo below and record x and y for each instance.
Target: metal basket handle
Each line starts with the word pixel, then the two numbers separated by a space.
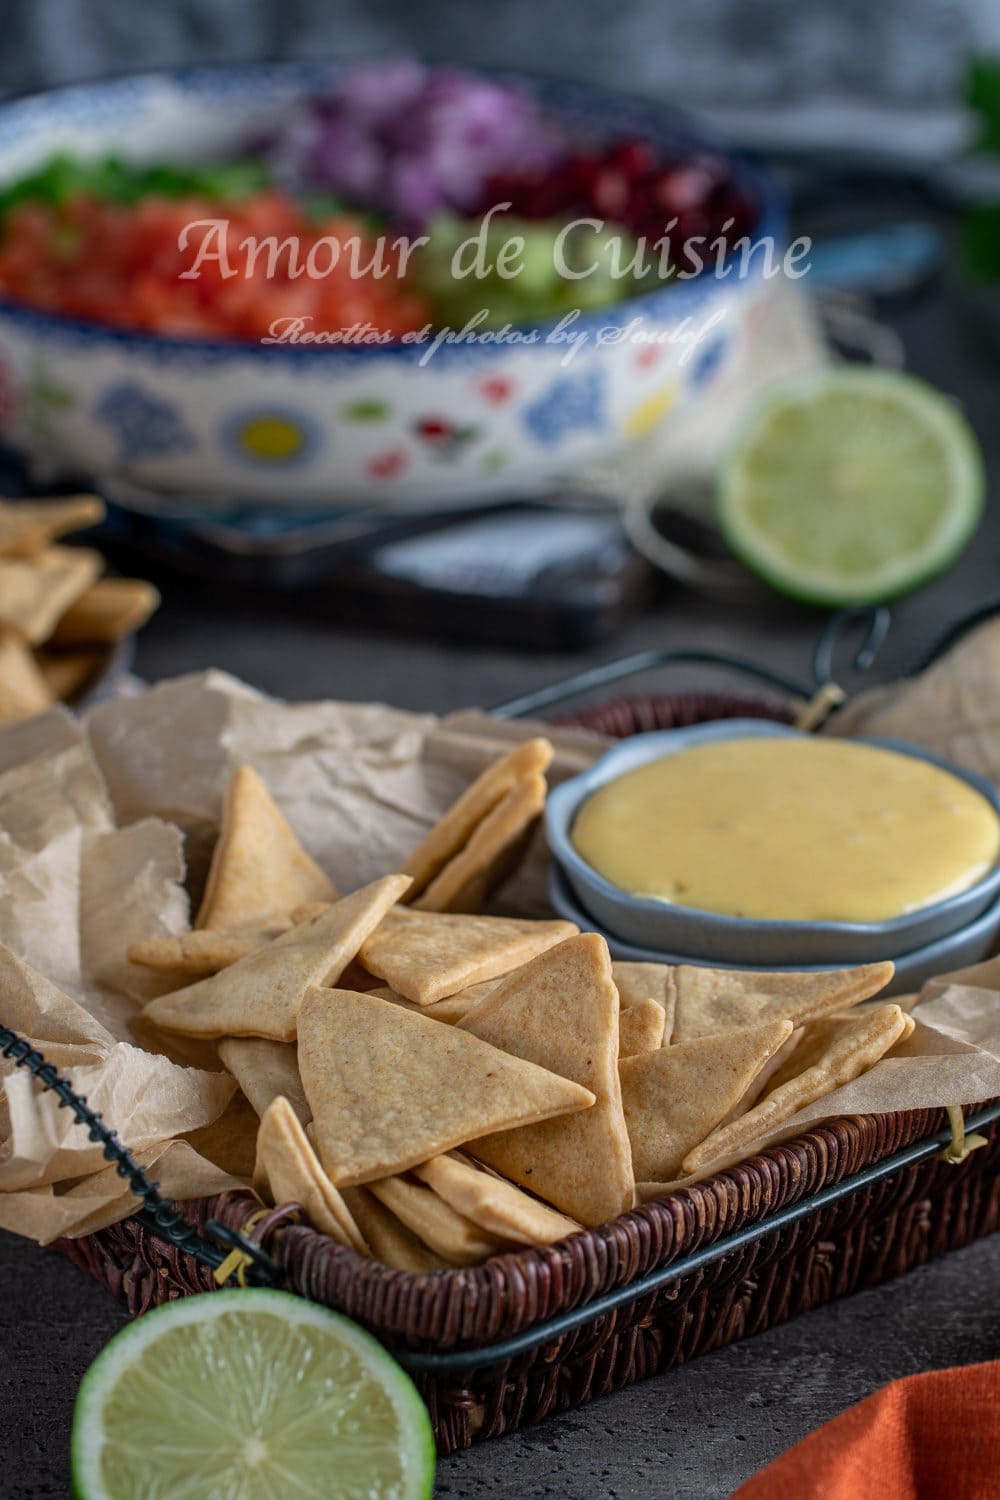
pixel 957 631
pixel 159 1216
pixel 816 698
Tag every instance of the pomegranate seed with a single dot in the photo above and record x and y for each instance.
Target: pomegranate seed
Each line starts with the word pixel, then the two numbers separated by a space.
pixel 609 194
pixel 633 157
pixel 681 188
pixel 634 184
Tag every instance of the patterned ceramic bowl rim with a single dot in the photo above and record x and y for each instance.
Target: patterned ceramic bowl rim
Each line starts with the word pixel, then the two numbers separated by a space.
pixel 609 109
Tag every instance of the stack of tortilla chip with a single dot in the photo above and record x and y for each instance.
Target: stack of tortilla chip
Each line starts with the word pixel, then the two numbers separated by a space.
pixel 260 881
pixel 506 1083
pixel 58 617
pixel 478 842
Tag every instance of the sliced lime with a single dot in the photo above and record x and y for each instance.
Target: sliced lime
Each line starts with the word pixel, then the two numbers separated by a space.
pixel 851 486
pixel 248 1395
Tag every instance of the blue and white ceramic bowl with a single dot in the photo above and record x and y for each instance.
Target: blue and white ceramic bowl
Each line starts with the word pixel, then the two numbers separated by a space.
pixel 308 425
pixel 746 942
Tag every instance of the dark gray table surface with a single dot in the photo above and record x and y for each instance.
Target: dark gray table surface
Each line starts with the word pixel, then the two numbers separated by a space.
pixel 696 1432
pixel 692 1434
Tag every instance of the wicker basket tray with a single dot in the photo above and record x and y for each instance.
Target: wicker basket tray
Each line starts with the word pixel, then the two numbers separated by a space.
pixel 541 1331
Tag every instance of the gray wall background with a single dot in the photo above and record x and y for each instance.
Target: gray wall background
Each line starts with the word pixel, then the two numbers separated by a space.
pixel 701 52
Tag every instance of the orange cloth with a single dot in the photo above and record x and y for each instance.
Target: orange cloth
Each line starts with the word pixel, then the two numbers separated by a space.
pixel 930 1437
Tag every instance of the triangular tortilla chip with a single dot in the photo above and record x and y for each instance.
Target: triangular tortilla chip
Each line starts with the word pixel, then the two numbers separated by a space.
pixel 492 852
pixel 450 1010
pixel 291 1169
pixel 456 1239
pixel 674 1097
pixel 641 1028
pixel 816 1040
pixel 266 1071
pixel 260 995
pixel 23 689
pixel 68 674
pixel 762 1083
pixel 495 1204
pixel 561 1011
pixel 389 1240
pixel 474 994
pixel 647 982
pixel 308 910
pixel 28 526
pixel 846 1050
pixel 109 610
pixel 355 977
pixel 36 592
pixel 231 1140
pixel 196 954
pixel 713 1000
pixel 259 869
pixel 427 956
pixel 456 827
pixel 455 1007
pixel 388 1088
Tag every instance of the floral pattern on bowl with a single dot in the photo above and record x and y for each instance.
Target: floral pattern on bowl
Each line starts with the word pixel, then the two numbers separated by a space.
pixel 318 424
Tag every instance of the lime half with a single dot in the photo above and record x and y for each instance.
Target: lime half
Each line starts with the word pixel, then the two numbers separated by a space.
pixel 248 1395
pixel 851 486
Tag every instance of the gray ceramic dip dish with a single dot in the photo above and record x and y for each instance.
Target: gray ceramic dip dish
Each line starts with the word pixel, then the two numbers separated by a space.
pixel 969 945
pixel 708 936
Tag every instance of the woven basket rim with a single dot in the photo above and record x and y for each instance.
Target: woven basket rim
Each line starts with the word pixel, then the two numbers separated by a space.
pixel 511 1292
pixel 694 703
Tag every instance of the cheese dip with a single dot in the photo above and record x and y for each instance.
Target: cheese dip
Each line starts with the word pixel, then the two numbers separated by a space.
pixel 791 829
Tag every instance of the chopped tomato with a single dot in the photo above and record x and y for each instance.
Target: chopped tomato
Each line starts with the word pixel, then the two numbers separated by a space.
pixel 123 264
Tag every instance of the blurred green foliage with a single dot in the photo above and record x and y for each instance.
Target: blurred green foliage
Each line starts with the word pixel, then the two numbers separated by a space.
pixel 981 221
